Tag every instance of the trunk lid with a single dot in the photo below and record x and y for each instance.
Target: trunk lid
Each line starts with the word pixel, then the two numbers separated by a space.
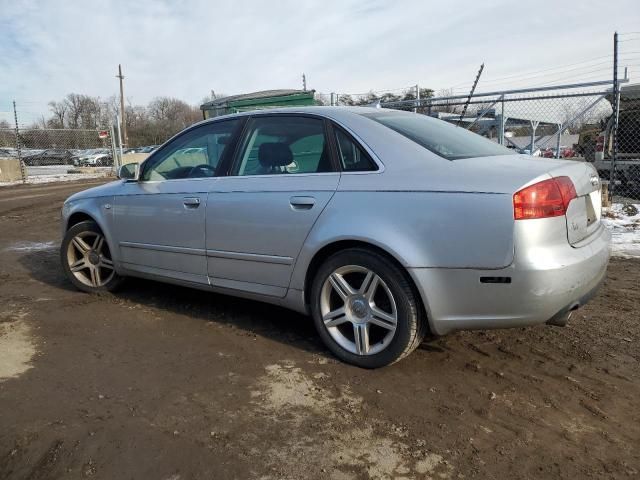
pixel 514 172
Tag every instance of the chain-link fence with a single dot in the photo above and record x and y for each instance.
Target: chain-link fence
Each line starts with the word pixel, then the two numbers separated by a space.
pixel 562 121
pixel 45 147
pixel 619 139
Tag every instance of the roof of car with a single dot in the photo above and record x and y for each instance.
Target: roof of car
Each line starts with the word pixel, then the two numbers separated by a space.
pixel 328 111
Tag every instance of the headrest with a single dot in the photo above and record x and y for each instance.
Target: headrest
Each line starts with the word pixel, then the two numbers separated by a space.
pixel 274 154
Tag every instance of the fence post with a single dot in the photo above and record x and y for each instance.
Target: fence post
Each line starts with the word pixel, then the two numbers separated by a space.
pixel 119 149
pixel 23 172
pixel 616 113
pixel 116 160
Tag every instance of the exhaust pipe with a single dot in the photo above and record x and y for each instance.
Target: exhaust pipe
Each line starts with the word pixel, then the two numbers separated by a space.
pixel 561 319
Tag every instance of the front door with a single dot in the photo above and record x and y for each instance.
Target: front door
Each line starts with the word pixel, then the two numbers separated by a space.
pixel 259 216
pixel 160 219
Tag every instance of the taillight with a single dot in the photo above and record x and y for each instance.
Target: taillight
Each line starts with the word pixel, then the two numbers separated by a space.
pixel 549 198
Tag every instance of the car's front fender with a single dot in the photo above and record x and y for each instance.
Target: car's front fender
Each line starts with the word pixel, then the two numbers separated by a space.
pixel 100 210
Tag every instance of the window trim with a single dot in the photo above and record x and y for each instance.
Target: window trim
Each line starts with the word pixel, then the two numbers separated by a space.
pixel 326 126
pixel 335 128
pixel 148 162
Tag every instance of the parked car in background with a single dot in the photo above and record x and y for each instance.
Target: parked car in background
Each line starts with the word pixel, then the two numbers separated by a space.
pixel 527 151
pixel 549 153
pixel 565 152
pixel 97 157
pixel 52 156
pixel 8 152
pixel 383 225
pixel 148 149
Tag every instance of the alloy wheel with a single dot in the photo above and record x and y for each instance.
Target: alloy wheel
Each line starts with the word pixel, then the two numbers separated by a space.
pixel 89 259
pixel 358 310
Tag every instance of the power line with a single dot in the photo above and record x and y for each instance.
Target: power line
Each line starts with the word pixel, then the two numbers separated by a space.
pixel 527 77
pixel 559 67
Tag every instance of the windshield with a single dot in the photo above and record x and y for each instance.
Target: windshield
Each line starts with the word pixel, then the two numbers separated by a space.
pixel 438 136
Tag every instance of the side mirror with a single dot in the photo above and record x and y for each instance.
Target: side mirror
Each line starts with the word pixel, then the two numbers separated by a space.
pixel 129 171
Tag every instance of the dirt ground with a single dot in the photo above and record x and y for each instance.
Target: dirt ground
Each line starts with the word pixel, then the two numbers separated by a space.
pixel 160 382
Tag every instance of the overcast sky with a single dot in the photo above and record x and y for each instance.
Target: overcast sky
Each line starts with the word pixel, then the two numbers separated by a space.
pixel 186 48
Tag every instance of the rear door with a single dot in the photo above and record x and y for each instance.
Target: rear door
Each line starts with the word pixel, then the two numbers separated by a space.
pixel 259 216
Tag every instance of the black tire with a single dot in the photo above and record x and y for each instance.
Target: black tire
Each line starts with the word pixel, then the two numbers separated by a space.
pixel 87 228
pixel 411 327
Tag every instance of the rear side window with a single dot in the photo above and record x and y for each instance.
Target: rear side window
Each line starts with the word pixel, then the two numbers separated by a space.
pixel 438 136
pixel 283 145
pixel 352 157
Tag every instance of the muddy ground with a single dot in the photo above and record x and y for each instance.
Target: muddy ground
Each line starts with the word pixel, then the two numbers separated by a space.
pixel 161 382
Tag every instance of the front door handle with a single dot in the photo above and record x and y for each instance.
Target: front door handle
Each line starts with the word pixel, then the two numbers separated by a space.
pixel 302 203
pixel 191 202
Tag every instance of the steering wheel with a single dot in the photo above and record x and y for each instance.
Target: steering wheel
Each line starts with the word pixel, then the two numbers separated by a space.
pixel 202 170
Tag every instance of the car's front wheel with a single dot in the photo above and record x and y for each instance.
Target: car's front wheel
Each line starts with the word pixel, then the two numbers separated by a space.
pixel 86 259
pixel 365 308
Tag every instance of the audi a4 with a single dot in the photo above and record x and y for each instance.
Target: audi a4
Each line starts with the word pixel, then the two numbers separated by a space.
pixel 384 226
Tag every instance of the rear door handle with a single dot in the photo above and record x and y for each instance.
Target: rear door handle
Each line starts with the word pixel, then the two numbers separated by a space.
pixel 191 202
pixel 302 203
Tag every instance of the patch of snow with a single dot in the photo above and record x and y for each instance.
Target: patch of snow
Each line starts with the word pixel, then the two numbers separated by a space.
pixel 625 230
pixel 17 348
pixel 63 177
pixel 58 173
pixel 31 246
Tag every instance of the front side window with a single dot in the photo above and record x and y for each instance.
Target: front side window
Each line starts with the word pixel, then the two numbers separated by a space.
pixel 195 154
pixel 283 145
pixel 438 136
pixel 352 157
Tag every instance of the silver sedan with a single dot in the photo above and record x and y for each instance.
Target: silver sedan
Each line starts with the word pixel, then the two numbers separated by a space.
pixel 385 226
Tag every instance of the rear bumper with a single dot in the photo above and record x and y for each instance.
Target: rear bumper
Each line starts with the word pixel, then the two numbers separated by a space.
pixel 543 284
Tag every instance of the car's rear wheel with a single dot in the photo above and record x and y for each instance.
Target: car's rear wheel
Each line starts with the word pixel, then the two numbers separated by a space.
pixel 86 259
pixel 365 308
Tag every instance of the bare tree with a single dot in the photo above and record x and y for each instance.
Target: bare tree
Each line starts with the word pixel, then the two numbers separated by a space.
pixel 59 111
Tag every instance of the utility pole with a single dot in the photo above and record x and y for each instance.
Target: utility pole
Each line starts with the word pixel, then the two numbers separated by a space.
pixel 473 89
pixel 304 82
pixel 122 116
pixel 415 110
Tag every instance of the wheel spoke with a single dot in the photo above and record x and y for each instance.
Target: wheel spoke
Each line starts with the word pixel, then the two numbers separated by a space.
pixel 382 319
pixel 370 285
pixel 361 337
pixel 335 317
pixel 95 275
pixel 341 286
pixel 81 245
pixel 78 265
pixel 106 263
pixel 98 243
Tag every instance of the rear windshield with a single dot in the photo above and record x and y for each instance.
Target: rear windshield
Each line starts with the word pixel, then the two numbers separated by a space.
pixel 438 136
